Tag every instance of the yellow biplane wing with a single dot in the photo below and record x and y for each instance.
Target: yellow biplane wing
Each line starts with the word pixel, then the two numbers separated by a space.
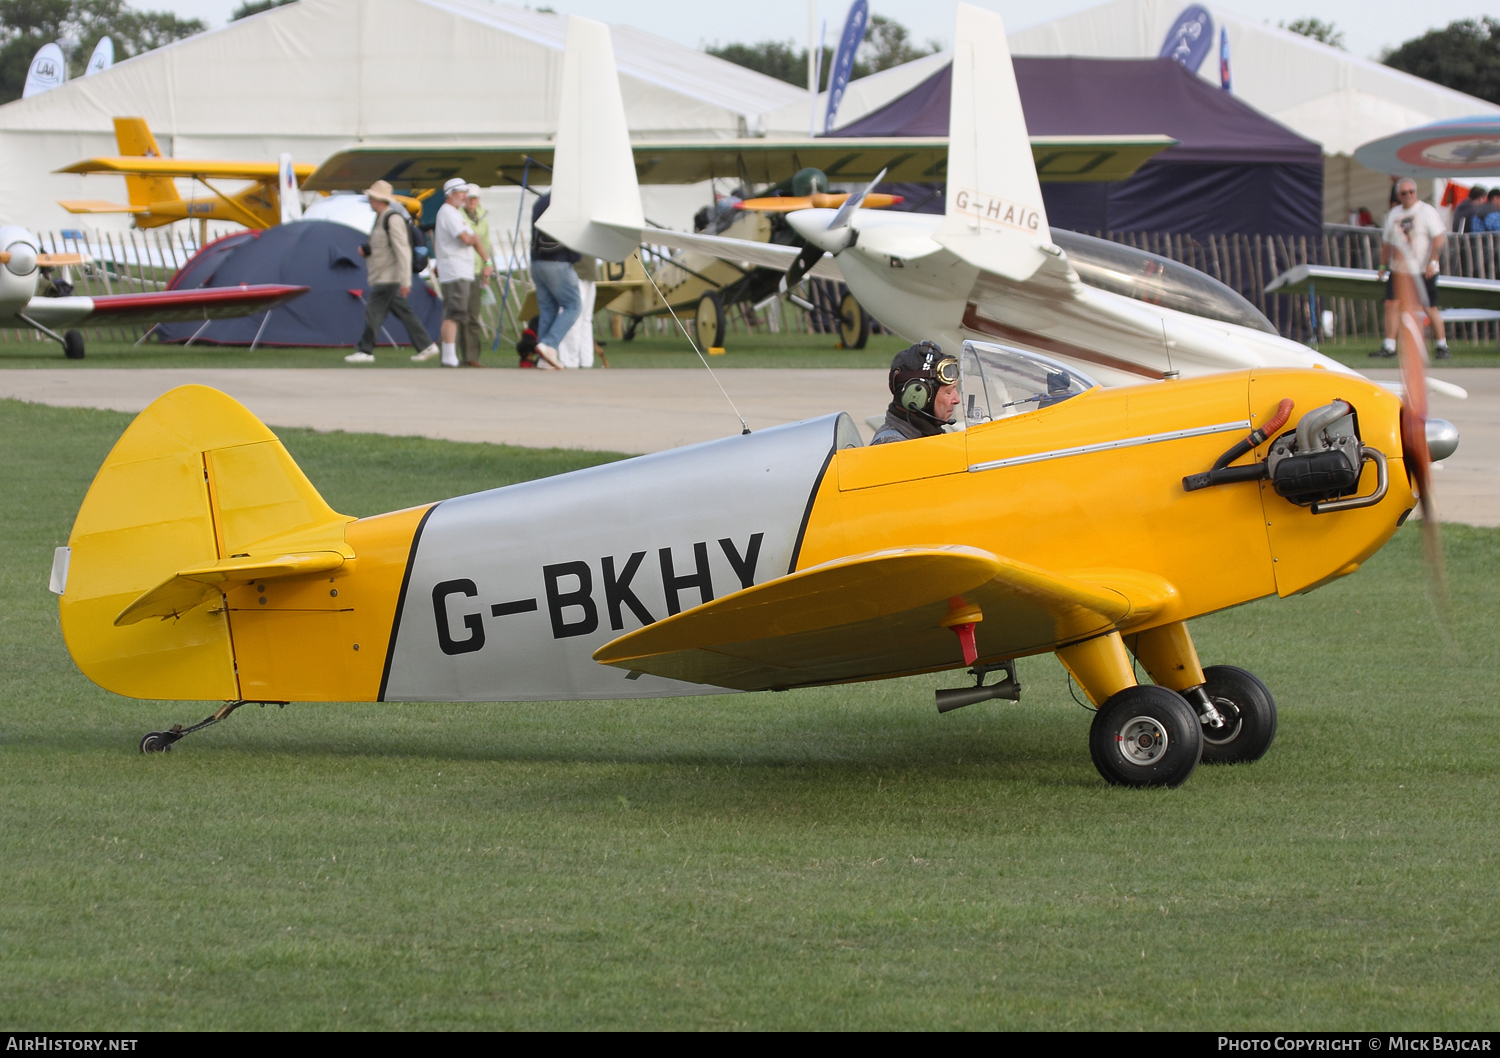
pixel 914 159
pixel 881 614
pixel 187 168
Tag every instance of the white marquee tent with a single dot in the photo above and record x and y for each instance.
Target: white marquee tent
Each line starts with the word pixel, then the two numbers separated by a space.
pixel 312 77
pixel 1323 93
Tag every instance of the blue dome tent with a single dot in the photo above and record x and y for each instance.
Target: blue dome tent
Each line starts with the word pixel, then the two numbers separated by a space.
pixel 321 255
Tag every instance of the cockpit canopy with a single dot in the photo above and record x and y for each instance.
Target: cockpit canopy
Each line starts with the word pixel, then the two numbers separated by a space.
pixel 999 380
pixel 1156 280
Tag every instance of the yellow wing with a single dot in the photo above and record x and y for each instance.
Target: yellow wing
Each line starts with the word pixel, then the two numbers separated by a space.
pixel 762 160
pixel 882 614
pixel 187 167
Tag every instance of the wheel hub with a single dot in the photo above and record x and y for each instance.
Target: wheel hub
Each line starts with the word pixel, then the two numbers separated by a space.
pixel 1234 722
pixel 1143 740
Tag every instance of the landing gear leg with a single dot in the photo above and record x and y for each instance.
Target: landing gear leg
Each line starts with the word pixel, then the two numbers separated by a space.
pixel 161 741
pixel 1141 736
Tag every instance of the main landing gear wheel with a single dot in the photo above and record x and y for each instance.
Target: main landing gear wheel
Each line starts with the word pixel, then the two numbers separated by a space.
pixel 710 319
pixel 629 335
pixel 73 345
pixel 1249 714
pixel 854 323
pixel 1146 736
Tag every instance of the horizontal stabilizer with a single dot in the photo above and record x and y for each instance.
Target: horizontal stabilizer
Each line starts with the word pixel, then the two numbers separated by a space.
pixel 743 251
pixel 995 219
pixel 866 617
pixel 189 587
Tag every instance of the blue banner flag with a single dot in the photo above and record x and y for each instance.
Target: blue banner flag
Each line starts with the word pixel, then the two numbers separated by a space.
pixel 843 59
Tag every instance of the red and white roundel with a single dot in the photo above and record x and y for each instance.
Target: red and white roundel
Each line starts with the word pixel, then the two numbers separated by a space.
pixel 1464 148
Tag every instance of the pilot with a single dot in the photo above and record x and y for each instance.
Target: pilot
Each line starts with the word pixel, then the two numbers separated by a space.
pixel 924 388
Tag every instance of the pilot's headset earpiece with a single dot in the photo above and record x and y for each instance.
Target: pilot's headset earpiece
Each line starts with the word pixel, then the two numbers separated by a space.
pixel 917 395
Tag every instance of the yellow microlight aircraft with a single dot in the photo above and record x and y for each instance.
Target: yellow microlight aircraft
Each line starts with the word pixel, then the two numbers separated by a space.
pixel 153 194
pixel 269 199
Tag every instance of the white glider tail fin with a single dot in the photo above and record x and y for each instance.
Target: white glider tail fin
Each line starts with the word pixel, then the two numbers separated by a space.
pixel 286 191
pixel 596 201
pixel 994 219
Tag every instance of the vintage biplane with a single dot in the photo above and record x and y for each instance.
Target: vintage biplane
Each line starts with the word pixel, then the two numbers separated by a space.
pixel 21 259
pixel 782 174
pixel 1066 517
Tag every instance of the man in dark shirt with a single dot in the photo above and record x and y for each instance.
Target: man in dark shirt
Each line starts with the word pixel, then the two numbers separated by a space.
pixel 1464 212
pixel 558 300
pixel 924 391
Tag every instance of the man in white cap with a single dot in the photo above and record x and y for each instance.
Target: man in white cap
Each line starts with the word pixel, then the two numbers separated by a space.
pixel 389 251
pixel 456 244
pixel 471 330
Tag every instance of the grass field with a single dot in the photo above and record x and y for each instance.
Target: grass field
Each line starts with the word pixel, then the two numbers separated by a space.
pixel 746 350
pixel 833 858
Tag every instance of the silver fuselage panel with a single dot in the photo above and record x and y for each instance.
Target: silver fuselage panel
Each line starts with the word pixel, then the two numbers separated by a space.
pixel 509 592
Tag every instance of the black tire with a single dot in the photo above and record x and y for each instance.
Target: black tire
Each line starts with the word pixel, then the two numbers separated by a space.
pixel 73 345
pixel 629 335
pixel 1146 736
pixel 710 317
pixel 156 742
pixel 1249 712
pixel 854 323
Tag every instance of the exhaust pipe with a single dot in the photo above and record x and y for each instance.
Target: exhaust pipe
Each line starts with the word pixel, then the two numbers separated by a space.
pixel 1008 688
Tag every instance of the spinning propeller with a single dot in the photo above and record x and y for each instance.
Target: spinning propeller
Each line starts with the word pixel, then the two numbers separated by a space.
pixel 1422 439
pixel 831 238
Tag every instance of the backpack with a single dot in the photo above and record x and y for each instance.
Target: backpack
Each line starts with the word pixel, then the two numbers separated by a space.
pixel 414 237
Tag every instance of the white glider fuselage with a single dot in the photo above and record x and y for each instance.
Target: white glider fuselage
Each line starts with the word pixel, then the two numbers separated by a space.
pixel 921 289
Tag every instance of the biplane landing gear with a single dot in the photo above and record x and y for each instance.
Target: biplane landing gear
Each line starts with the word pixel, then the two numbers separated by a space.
pixel 1146 736
pixel 161 741
pixel 1249 714
pixel 854 323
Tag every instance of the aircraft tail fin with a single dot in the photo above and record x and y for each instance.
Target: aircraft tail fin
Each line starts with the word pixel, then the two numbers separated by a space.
pixel 286 191
pixel 197 497
pixel 134 138
pixel 995 218
pixel 596 200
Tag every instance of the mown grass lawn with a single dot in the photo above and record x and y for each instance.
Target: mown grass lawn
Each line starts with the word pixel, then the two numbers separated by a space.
pixel 833 858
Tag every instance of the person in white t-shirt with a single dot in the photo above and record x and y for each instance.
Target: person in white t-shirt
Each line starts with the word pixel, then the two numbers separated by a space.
pixel 454 261
pixel 1412 243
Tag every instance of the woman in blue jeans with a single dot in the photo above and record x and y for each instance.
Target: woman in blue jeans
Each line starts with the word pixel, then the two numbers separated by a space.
pixel 557 297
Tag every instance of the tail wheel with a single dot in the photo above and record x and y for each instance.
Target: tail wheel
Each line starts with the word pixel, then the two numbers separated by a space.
pixel 854 323
pixel 710 320
pixel 1146 736
pixel 73 345
pixel 1249 714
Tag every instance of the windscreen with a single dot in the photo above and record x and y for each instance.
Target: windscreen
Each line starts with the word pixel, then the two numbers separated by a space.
pixel 998 381
pixel 1156 280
